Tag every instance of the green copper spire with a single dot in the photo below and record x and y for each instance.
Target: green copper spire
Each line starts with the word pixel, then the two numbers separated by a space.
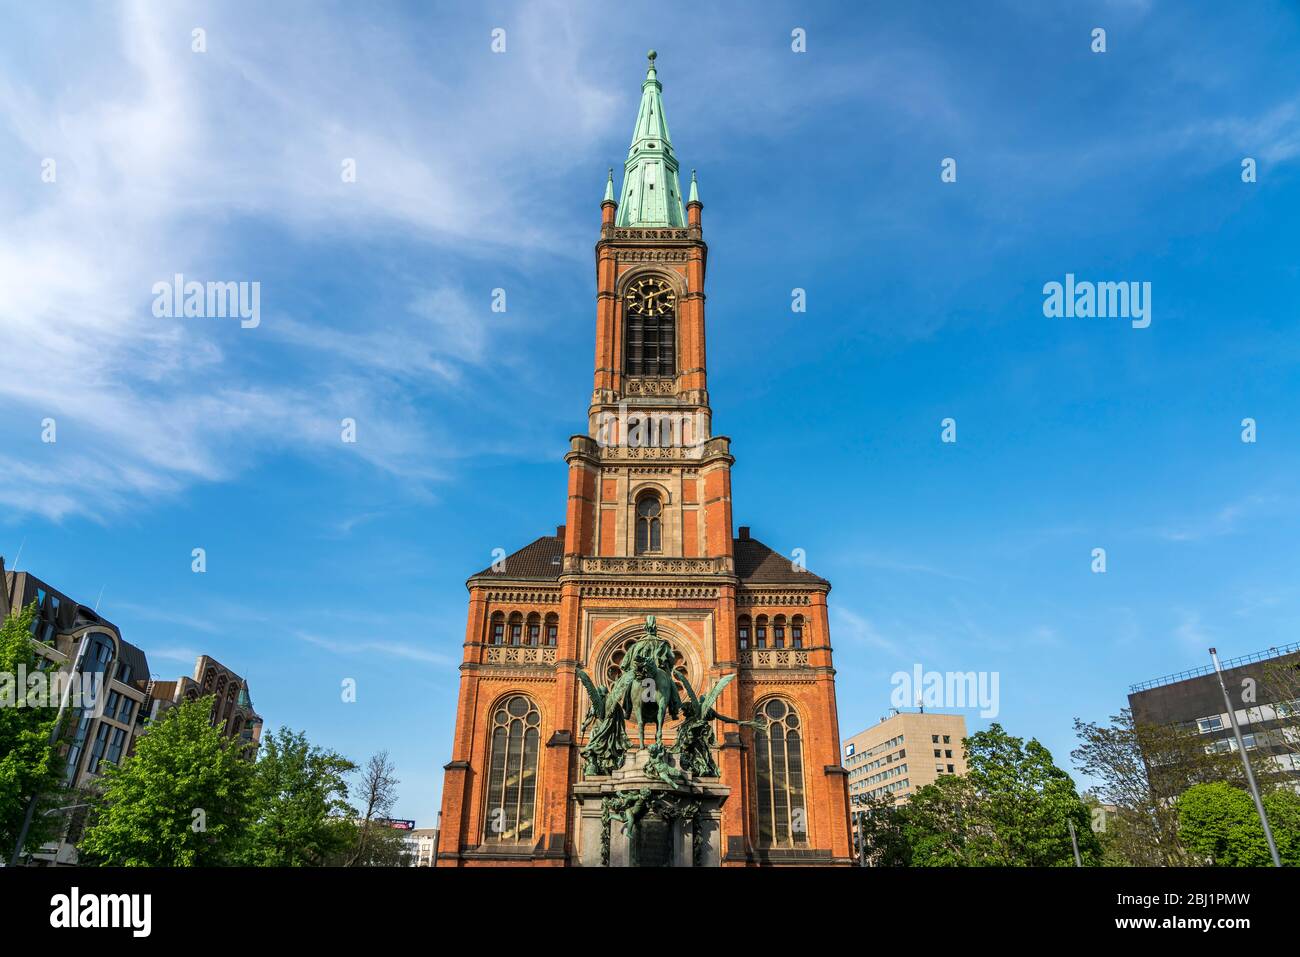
pixel 609 187
pixel 695 190
pixel 651 195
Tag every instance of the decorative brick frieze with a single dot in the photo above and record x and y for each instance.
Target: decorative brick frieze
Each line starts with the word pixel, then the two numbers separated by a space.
pixel 518 654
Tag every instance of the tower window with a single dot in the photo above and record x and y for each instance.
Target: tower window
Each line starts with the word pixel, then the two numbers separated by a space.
pixel 648 525
pixel 651 307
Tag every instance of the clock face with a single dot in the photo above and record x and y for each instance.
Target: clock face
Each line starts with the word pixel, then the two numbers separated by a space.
pixel 650 297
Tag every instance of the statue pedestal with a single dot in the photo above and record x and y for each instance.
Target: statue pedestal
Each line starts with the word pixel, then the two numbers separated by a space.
pixel 678 826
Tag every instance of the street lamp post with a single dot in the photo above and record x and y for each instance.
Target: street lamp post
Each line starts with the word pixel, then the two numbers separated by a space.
pixel 1074 842
pixel 1245 760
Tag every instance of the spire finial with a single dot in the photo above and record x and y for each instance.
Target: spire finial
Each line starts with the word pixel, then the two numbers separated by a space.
pixel 609 187
pixel 652 194
pixel 695 190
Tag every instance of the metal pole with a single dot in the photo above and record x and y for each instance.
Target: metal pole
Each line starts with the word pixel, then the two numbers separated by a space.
pixel 862 838
pixel 1245 761
pixel 1074 841
pixel 54 736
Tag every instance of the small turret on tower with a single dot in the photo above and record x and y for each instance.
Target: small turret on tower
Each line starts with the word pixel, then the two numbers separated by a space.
pixel 607 205
pixel 693 205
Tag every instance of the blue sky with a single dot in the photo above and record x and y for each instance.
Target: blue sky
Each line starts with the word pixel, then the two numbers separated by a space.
pixel 818 170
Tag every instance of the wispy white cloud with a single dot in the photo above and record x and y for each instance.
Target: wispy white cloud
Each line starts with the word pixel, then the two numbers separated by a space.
pixel 187 655
pixel 904 565
pixel 852 628
pixel 390 649
pixel 1191 632
pixel 158 149
pixel 1225 520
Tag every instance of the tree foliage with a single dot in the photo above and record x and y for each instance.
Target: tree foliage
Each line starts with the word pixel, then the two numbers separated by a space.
pixel 376 843
pixel 882 826
pixel 184 799
pixel 29 764
pixel 301 814
pixel 1141 770
pixel 1219 825
pixel 1012 808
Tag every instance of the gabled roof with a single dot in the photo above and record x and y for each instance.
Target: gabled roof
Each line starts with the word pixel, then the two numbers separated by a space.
pixel 758 564
pixel 540 560
pixel 543 560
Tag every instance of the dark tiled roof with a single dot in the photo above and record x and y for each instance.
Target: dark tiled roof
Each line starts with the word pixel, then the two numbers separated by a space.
pixel 757 563
pixel 134 657
pixel 541 560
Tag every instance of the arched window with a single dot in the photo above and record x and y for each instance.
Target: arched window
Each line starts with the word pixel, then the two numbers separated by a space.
pixel 651 307
pixel 552 629
pixel 648 524
pixel 778 631
pixel 742 632
pixel 778 767
pixel 796 631
pixel 512 772
pixel 760 632
pixel 534 637
pixel 516 629
pixel 498 633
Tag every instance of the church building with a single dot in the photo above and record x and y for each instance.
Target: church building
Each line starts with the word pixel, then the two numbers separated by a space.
pixel 647 568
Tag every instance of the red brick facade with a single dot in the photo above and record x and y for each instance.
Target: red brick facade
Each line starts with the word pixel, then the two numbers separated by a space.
pixel 592 584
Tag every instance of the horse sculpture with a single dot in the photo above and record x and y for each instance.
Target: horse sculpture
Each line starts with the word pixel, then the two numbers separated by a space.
pixel 646 688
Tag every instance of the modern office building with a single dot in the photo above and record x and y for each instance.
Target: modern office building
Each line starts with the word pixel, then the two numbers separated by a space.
pixel 1267 707
pixel 903 752
pixel 103 725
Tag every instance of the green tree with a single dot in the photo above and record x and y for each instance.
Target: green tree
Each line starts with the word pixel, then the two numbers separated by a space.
pixel 939 821
pixel 1142 769
pixel 29 764
pixel 1012 808
pixel 302 817
pixel 882 827
pixel 375 842
pixel 1219 825
pixel 184 799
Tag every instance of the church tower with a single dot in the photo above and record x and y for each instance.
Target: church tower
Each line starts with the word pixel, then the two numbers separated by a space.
pixel 648 531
